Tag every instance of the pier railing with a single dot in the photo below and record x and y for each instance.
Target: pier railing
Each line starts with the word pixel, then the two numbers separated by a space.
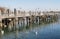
pixel 23 14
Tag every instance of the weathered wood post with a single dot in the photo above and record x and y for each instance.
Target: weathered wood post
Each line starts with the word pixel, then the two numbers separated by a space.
pixel 14 24
pixel 15 18
pixel 25 21
pixel 10 25
pixel 30 18
pixel 18 21
pixel 1 24
pixel 21 22
pixel 0 20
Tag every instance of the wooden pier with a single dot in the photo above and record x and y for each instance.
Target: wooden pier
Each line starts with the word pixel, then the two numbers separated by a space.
pixel 13 21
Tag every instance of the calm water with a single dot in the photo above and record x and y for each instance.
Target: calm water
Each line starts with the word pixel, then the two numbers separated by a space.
pixel 46 31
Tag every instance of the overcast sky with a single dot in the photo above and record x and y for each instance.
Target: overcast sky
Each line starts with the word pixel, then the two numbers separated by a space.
pixel 31 4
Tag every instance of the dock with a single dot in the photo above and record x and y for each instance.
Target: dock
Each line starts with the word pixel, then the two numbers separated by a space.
pixel 15 20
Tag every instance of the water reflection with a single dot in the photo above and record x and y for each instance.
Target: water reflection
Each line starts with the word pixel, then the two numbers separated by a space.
pixel 16 34
pixel 45 31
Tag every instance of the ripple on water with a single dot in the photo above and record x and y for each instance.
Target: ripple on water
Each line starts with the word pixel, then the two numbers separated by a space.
pixel 49 31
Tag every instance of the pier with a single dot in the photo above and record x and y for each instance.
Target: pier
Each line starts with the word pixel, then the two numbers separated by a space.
pixel 15 20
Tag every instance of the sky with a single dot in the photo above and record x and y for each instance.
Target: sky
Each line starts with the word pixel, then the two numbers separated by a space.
pixel 31 4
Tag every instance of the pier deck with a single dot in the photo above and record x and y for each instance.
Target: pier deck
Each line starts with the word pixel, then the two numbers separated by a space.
pixel 10 20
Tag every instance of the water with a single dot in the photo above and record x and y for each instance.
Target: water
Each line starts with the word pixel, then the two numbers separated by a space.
pixel 45 31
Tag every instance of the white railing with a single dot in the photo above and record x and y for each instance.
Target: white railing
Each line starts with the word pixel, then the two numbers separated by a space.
pixel 6 15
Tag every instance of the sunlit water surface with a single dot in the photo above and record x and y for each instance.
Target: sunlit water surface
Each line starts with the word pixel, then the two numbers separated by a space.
pixel 46 31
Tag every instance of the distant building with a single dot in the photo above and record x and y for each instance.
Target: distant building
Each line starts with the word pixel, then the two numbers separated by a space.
pixel 2 10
